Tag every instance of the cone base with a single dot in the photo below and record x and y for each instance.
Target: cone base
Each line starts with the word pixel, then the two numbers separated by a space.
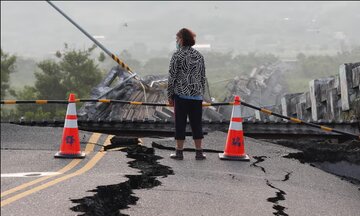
pixel 222 156
pixel 61 155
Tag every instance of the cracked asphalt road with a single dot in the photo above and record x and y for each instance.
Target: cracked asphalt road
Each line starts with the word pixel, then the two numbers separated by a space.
pixel 267 185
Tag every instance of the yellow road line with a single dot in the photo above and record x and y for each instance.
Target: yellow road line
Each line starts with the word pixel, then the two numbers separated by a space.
pixel 93 139
pixel 71 165
pixel 116 149
pixel 107 141
pixel 84 169
pixel 89 147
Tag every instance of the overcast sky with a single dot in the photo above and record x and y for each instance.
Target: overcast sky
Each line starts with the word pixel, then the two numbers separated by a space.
pixel 36 29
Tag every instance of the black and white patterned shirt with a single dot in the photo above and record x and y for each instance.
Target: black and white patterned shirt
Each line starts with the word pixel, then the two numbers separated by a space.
pixel 186 73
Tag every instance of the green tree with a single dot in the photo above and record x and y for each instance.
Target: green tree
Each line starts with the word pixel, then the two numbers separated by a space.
pixel 49 82
pixel 80 73
pixel 101 58
pixel 7 67
pixel 49 85
pixel 75 72
pixel 27 93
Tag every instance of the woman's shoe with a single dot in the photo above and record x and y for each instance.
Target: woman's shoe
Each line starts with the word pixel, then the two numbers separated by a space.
pixel 199 155
pixel 178 155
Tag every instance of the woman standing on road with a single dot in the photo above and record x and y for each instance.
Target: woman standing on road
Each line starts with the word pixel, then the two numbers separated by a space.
pixel 186 87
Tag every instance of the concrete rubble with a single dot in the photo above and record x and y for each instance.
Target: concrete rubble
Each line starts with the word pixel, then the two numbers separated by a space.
pixel 127 88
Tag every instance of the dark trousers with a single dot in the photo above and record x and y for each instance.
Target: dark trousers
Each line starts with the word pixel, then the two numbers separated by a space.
pixel 184 108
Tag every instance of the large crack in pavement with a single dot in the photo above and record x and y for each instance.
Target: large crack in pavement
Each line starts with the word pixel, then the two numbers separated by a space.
pixel 259 159
pixel 280 194
pixel 287 176
pixel 110 199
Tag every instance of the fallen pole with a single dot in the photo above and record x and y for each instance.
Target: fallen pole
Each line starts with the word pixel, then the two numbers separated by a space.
pixel 114 57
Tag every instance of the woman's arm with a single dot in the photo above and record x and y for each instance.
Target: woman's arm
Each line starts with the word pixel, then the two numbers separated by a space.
pixel 171 79
pixel 203 75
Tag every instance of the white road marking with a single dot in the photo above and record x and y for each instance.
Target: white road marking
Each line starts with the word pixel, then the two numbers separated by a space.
pixel 28 174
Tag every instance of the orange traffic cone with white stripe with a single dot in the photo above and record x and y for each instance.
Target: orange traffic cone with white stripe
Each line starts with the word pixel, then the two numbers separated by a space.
pixel 235 145
pixel 70 143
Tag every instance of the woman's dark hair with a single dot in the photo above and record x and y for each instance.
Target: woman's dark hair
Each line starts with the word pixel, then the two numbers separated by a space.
pixel 187 36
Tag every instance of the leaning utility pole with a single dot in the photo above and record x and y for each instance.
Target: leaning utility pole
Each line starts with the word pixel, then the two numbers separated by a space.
pixel 113 56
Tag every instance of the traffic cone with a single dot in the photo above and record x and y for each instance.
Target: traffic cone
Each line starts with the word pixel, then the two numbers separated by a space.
pixel 70 144
pixel 235 145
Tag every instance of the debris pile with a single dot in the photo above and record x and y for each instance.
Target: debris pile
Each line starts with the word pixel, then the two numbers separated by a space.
pixel 151 89
pixel 265 86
